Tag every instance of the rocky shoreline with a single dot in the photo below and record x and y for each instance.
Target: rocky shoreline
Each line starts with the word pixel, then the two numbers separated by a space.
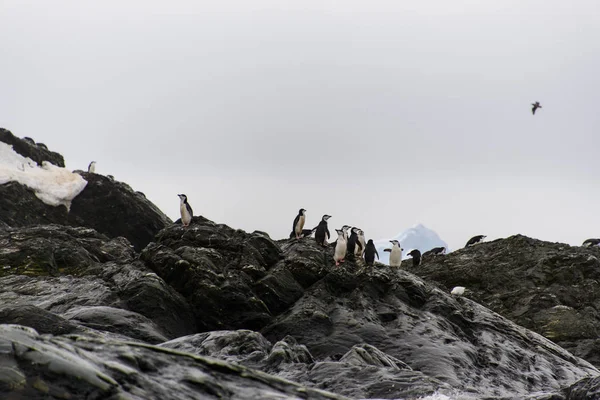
pixel 148 309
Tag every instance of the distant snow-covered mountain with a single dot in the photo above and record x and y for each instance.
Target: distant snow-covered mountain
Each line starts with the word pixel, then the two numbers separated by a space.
pixel 417 237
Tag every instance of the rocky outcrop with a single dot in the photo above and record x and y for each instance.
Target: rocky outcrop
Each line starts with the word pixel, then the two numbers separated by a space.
pixel 363 372
pixel 38 152
pixel 222 273
pixel 369 332
pixel 551 288
pixel 108 206
pixel 86 366
pixel 113 208
pixel 59 280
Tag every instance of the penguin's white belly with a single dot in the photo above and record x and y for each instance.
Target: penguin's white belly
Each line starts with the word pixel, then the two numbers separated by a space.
pixel 186 218
pixel 340 250
pixel 300 225
pixel 395 257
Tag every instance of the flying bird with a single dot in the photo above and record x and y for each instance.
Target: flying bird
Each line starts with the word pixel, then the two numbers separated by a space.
pixel 535 105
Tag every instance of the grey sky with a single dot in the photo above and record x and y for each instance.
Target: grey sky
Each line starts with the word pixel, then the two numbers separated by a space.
pixel 383 114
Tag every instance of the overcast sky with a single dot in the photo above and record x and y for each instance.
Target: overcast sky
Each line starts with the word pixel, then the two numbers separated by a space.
pixel 382 114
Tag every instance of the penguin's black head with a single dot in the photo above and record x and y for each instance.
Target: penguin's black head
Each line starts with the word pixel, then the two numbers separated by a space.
pixel 339 231
pixel 302 211
pixel 345 227
pixel 370 241
pixel 182 197
pixel 354 229
pixel 395 242
pixel 326 217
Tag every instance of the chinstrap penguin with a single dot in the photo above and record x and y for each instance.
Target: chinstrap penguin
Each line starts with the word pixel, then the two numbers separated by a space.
pixel 475 240
pixel 322 232
pixel 361 244
pixel 185 209
pixel 92 167
pixel 305 233
pixel 535 105
pixel 339 253
pixel 395 253
pixel 353 241
pixel 370 253
pixel 591 242
pixel 416 257
pixel 299 223
pixel 435 252
pixel 345 230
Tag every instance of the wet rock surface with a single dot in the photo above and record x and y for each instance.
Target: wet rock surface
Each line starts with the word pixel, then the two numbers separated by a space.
pixel 551 288
pixel 53 278
pixel 352 313
pixel 87 367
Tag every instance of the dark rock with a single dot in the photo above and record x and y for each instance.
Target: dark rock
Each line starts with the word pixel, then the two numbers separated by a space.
pixel 453 340
pixel 37 318
pixel 114 209
pixel 109 207
pixel 51 273
pixel 28 148
pixel 366 332
pixel 19 206
pixel 362 372
pixel 551 288
pixel 206 263
pixel 81 366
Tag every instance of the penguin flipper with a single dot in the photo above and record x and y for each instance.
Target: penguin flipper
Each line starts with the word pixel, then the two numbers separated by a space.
pixel 387 250
pixel 328 235
pixel 377 254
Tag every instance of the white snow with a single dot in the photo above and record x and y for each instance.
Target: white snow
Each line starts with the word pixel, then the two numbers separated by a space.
pixel 418 237
pixel 51 184
pixel 458 291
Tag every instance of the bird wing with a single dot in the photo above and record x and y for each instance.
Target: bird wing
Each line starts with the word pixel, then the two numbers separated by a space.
pixel 377 254
pixel 387 250
pixel 189 208
pixel 295 222
pixel 328 235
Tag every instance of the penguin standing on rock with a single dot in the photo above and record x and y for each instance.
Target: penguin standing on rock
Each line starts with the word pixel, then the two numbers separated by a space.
pixel 353 240
pixel 185 209
pixel 340 248
pixel 345 230
pixel 475 240
pixel 395 254
pixel 92 167
pixel 299 223
pixel 370 253
pixel 416 256
pixel 322 231
pixel 361 244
